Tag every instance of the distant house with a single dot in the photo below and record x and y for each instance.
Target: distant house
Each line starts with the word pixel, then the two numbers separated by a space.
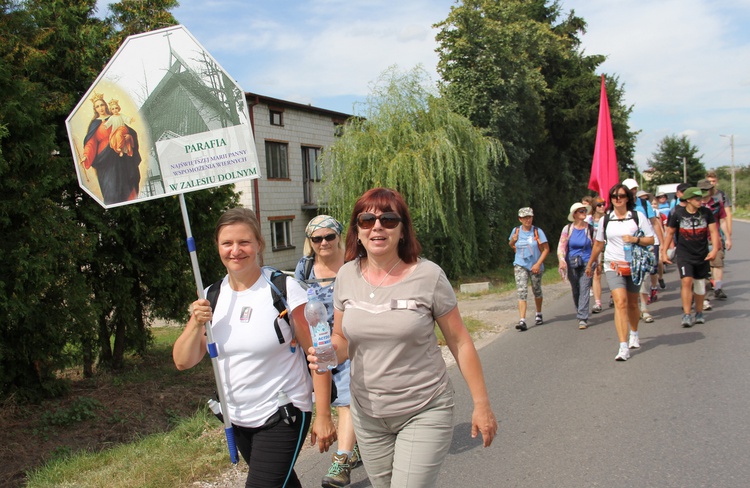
pixel 289 138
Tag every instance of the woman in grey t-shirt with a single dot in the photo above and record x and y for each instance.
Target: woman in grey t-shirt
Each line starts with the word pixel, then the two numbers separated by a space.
pixel 386 303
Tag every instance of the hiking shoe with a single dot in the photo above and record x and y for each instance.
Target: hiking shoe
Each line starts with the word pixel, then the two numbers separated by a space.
pixel 707 305
pixel 662 285
pixel 538 320
pixel 647 317
pixel 356 459
pixel 653 296
pixel 719 294
pixel 623 354
pixel 699 318
pixel 633 343
pixel 338 474
pixel 687 320
pixel 596 308
pixel 582 325
pixel 521 325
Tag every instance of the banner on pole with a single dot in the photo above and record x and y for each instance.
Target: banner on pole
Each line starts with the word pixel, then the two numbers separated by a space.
pixel 162 118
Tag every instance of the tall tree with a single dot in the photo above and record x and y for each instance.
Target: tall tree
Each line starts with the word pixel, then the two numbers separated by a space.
pixel 515 69
pixel 411 141
pixel 672 156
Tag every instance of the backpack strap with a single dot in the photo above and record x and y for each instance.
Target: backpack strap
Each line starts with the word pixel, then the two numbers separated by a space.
pixel 213 294
pixel 277 281
pixel 307 272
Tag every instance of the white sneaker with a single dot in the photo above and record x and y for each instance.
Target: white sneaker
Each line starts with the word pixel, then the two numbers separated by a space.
pixel 623 355
pixel 633 343
pixel 707 305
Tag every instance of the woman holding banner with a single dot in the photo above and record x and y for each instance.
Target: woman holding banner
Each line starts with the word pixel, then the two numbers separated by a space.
pixel 118 174
pixel 263 371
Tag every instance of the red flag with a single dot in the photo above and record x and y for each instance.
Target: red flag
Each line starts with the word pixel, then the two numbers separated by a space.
pixel 604 171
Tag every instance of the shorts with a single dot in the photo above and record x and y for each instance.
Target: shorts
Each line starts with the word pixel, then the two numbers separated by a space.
pixel 614 281
pixel 697 271
pixel 341 377
pixel 523 276
pixel 718 261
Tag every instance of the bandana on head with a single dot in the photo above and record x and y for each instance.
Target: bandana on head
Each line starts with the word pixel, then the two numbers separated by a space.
pixel 323 222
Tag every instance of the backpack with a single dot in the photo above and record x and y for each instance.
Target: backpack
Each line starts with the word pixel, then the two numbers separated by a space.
pixel 278 291
pixel 307 272
pixel 536 237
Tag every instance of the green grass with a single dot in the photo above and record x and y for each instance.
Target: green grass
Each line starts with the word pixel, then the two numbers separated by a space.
pixel 194 450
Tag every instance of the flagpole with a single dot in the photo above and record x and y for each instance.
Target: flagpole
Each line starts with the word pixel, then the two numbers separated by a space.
pixel 210 344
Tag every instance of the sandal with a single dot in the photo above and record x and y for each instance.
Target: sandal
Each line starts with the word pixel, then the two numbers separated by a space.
pixel 647 317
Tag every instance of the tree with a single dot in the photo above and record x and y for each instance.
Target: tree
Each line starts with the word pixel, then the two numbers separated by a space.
pixel 671 154
pixel 411 141
pixel 515 69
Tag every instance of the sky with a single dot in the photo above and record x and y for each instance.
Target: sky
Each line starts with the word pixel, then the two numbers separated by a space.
pixel 684 64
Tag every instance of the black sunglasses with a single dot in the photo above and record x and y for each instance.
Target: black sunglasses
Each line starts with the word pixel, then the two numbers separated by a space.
pixel 602 204
pixel 389 220
pixel 319 239
pixel 619 196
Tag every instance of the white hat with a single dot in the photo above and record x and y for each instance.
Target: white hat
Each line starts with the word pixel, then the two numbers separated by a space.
pixel 575 207
pixel 630 183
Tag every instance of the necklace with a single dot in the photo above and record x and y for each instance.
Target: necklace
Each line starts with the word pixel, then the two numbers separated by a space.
pixel 373 290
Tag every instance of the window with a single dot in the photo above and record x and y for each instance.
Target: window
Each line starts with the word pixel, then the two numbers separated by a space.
pixel 312 170
pixel 281 233
pixel 277 116
pixel 277 161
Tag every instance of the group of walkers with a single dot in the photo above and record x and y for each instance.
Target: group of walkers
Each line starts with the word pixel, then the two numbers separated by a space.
pixel 393 393
pixel 630 239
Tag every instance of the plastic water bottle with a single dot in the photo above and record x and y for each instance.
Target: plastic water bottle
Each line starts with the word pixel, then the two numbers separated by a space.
pixel 628 248
pixel 317 316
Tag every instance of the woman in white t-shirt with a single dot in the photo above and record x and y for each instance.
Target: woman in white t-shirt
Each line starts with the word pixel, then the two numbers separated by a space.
pixel 623 222
pixel 261 372
pixel 386 302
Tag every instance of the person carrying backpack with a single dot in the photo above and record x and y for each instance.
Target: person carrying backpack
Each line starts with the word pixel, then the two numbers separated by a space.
pixel 531 249
pixel 573 254
pixel 622 229
pixel 323 257
pixel 261 367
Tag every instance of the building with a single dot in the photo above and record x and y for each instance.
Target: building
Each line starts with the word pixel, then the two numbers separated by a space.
pixel 289 138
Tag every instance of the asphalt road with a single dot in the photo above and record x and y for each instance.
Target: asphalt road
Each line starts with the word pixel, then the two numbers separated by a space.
pixel 675 415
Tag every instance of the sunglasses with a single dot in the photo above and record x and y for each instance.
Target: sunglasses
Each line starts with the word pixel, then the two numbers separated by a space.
pixel 389 220
pixel 582 210
pixel 619 196
pixel 327 237
pixel 601 204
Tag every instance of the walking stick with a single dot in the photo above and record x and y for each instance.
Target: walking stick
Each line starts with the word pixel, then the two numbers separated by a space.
pixel 210 344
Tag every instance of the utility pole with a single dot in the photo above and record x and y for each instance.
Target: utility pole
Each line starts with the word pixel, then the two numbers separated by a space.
pixel 734 182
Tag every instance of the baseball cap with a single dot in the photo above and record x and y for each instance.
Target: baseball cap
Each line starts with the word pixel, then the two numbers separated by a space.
pixel 630 183
pixel 705 185
pixel 691 192
pixel 525 212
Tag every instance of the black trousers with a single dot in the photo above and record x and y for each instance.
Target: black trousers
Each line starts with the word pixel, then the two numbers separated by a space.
pixel 271 450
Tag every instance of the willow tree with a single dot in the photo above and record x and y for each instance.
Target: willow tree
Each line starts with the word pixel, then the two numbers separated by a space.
pixel 409 140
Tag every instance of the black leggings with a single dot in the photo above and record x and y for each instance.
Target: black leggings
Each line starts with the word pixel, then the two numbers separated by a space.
pixel 271 451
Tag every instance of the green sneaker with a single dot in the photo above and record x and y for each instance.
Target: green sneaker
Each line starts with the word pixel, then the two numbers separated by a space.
pixel 338 473
pixel 356 459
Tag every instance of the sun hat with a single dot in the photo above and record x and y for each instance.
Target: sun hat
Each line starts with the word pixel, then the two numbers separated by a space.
pixel 691 192
pixel 630 183
pixel 661 194
pixel 575 207
pixel 525 212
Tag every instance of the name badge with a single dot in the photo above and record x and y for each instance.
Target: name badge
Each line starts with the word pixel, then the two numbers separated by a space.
pixel 245 314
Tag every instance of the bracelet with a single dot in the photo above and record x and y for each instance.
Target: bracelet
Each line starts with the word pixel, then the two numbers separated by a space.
pixel 638 242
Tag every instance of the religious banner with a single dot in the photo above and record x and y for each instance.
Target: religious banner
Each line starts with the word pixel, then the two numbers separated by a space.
pixel 162 118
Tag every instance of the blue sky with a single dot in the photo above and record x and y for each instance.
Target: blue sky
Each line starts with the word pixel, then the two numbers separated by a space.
pixel 685 64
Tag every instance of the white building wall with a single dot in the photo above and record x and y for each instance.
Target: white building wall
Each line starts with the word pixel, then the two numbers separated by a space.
pixel 303 126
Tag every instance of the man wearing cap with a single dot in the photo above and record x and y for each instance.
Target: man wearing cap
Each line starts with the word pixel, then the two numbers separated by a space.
pixel 531 248
pixel 716 207
pixel 648 293
pixel 661 199
pixel 694 224
pixel 713 178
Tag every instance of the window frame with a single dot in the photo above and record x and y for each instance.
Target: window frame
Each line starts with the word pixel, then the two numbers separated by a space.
pixel 281 166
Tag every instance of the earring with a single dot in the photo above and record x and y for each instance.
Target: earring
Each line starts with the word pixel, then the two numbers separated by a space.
pixel 359 242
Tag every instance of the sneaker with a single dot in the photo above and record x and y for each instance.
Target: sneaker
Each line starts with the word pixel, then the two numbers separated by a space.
pixel 538 320
pixel 699 318
pixel 707 305
pixel 582 325
pixel 647 317
pixel 623 355
pixel 596 308
pixel 356 459
pixel 653 296
pixel 521 325
pixel 611 302
pixel 338 474
pixel 662 285
pixel 687 320
pixel 719 294
pixel 633 343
